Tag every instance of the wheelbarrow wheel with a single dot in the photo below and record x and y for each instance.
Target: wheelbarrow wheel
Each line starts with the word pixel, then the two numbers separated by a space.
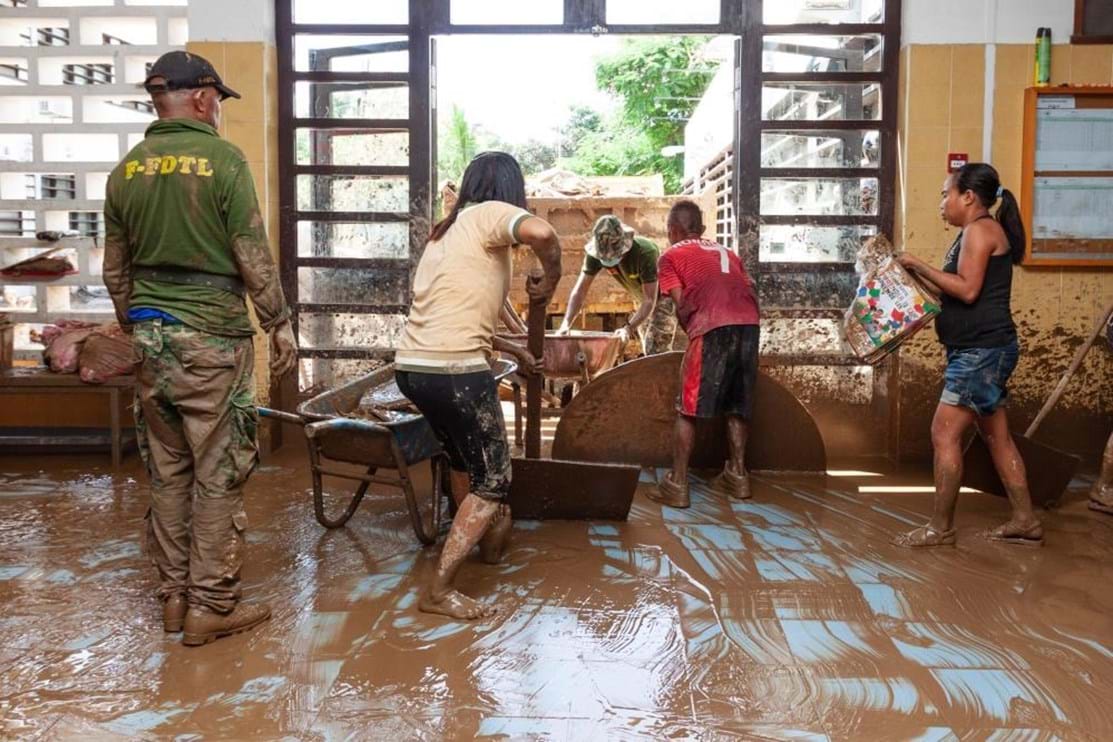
pixel 319 501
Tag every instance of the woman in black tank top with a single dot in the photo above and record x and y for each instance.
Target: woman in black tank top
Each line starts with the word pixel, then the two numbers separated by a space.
pixel 977 330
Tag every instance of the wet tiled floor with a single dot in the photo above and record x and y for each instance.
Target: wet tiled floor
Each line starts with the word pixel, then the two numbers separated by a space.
pixel 789 616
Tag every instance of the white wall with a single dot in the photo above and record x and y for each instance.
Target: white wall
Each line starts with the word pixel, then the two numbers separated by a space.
pixel 241 20
pixel 81 148
pixel 139 31
pixel 985 21
pixel 12 27
pixel 711 128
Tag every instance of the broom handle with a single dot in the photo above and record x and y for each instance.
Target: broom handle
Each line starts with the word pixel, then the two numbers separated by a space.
pixel 1074 364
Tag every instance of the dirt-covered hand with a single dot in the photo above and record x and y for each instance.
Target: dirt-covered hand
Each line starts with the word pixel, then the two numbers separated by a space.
pixel 909 261
pixel 541 287
pixel 528 363
pixel 284 349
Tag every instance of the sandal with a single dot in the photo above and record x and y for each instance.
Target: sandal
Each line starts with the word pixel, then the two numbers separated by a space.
pixel 1101 499
pixel 924 537
pixel 1008 533
pixel 670 492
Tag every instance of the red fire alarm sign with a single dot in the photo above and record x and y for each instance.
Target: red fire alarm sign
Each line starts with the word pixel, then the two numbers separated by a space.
pixel 955 160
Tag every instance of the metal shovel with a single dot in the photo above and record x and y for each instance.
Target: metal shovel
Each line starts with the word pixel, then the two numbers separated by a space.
pixel 548 489
pixel 1049 469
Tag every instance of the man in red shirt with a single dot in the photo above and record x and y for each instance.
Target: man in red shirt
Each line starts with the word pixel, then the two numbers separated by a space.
pixel 716 306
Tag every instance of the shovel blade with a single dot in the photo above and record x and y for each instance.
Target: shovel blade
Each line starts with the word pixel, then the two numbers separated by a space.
pixel 547 489
pixel 1049 469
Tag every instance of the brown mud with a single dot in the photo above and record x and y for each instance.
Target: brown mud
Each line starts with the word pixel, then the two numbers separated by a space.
pixel 785 616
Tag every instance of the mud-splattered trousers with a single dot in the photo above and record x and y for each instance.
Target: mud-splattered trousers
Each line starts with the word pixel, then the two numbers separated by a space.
pixel 657 334
pixel 196 420
pixel 466 416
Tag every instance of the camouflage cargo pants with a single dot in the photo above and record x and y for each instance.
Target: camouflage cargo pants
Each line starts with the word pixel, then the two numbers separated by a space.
pixel 658 332
pixel 195 420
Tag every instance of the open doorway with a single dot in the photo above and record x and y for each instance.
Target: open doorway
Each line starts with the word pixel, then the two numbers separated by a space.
pixel 817 79
pixel 600 126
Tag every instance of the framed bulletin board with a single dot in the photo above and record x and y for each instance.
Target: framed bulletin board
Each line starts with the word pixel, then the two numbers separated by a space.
pixel 1067 181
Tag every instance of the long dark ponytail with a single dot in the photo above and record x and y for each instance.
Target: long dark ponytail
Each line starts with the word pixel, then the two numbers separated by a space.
pixel 983 180
pixel 491 176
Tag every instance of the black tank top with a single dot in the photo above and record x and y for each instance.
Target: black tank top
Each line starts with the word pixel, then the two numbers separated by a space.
pixel 988 322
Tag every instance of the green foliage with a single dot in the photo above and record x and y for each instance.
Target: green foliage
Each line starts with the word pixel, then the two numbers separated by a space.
pixel 460 141
pixel 533 155
pixel 659 82
pixel 458 144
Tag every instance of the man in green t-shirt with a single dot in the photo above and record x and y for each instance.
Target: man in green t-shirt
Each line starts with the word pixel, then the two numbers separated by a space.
pixel 632 261
pixel 184 245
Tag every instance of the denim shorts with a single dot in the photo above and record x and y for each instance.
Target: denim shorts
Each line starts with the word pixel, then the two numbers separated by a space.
pixel 976 377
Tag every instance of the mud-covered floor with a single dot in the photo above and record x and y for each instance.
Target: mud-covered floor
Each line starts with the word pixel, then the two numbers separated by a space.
pixel 786 617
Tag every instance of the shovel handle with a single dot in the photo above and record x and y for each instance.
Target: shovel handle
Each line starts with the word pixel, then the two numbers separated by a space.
pixel 1074 364
pixel 535 343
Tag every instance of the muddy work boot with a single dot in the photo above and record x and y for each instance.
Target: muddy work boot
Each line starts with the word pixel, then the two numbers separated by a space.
pixel 203 625
pixel 670 492
pixel 733 484
pixel 174 612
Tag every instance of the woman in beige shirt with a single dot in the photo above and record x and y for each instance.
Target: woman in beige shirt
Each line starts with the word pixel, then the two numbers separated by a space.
pixel 443 363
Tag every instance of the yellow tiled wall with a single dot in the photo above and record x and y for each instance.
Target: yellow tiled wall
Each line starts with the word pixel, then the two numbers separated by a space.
pixel 941 110
pixel 251 123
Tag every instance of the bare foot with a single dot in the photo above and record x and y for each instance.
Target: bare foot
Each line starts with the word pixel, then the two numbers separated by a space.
pixel 493 544
pixel 455 604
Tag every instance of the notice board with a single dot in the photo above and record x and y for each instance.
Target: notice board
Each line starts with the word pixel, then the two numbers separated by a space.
pixel 1067 187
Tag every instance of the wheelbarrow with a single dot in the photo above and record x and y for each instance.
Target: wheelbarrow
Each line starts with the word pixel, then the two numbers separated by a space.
pixel 578 356
pixel 369 422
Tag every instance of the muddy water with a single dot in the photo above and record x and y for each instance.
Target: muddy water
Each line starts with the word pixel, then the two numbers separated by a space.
pixel 788 616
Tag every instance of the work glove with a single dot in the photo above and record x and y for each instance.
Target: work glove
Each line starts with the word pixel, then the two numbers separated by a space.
pixel 284 349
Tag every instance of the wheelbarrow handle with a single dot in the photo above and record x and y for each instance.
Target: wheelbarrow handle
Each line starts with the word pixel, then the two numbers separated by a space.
pixel 314 430
pixel 286 417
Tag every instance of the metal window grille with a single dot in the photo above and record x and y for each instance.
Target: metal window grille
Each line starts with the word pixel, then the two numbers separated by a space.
pixel 61 187
pixel 87 223
pixel 795 291
pixel 46 37
pixel 16 224
pixel 88 74
pixel 13 71
pixel 142 106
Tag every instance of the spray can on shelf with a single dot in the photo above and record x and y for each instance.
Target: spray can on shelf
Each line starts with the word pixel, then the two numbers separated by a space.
pixel 1043 57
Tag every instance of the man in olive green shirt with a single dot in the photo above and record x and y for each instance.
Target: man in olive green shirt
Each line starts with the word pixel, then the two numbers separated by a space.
pixel 184 245
pixel 632 261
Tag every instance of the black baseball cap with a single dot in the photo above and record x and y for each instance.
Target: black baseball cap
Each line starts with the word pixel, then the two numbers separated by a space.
pixel 185 71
